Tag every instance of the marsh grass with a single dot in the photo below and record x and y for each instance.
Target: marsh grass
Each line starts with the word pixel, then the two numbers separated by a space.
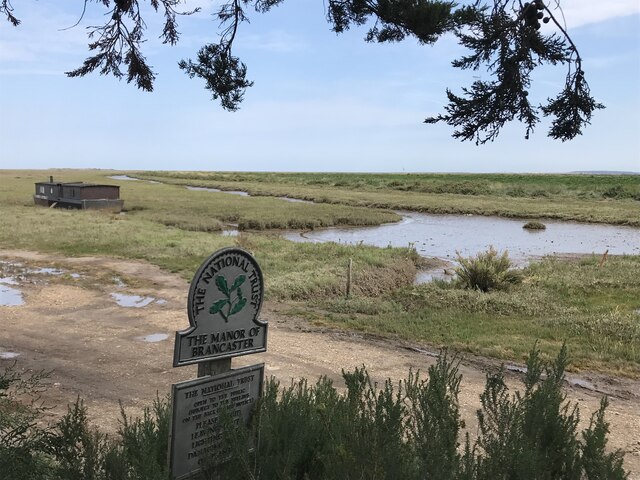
pixel 211 211
pixel 587 198
pixel 573 300
pixel 293 271
pixel 201 211
pixel 510 185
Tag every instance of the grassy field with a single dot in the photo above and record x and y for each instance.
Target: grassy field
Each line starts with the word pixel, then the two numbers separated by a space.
pixel 588 198
pixel 160 227
pixel 594 309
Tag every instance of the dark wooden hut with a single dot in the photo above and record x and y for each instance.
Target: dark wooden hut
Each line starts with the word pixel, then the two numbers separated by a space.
pixel 78 195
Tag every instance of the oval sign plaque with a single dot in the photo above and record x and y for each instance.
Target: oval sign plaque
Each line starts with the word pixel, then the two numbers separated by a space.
pixel 224 303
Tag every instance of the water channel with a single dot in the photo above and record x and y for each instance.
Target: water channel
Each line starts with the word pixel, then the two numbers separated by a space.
pixel 441 236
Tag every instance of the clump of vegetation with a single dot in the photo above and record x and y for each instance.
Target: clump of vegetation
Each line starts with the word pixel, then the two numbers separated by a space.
pixel 413 430
pixel 486 271
pixel 534 225
pixel 21 440
pixel 70 448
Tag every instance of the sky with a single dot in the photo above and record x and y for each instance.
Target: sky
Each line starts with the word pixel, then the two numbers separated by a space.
pixel 320 101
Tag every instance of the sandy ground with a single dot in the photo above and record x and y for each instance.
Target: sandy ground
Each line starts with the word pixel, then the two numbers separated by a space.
pixel 74 327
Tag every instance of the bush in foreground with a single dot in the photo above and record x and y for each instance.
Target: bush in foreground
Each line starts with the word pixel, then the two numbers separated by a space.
pixel 412 430
pixel 71 449
pixel 486 271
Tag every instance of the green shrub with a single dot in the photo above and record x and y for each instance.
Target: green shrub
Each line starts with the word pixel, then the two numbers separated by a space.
pixel 21 439
pixel 486 271
pixel 616 191
pixel 534 226
pixel 76 450
pixel 70 449
pixel 412 430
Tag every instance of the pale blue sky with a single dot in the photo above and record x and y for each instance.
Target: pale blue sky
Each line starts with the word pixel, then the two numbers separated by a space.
pixel 320 102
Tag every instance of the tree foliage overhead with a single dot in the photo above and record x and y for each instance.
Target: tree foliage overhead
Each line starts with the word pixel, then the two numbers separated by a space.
pixel 503 37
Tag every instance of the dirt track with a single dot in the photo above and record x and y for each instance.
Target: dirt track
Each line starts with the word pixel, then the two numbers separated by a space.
pixel 74 327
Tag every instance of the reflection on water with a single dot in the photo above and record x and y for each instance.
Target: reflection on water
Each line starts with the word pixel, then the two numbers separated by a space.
pixel 442 235
pixel 217 190
pixel 438 273
pixel 579 382
pixel 4 355
pixel 127 177
pixel 10 297
pixel 294 200
pixel 47 271
pixel 131 301
pixel 153 338
pixel 19 275
pixel 124 177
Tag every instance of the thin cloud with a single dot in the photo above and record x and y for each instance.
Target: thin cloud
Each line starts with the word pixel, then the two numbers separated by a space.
pixel 29 71
pixel 275 41
pixel 578 13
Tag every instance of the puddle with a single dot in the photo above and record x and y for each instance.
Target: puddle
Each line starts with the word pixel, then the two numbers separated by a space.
pixel 19 274
pixel 442 235
pixel 10 297
pixel 217 190
pixel 573 381
pixel 424 352
pixel 46 271
pixel 19 270
pixel 131 301
pixel 230 233
pixel 440 273
pixel 161 301
pixel 516 368
pixel 153 338
pixel 577 382
pixel 4 355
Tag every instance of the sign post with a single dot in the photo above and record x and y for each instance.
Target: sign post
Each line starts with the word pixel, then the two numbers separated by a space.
pixel 223 307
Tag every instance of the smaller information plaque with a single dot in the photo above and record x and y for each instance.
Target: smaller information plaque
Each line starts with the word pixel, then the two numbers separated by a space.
pixel 196 434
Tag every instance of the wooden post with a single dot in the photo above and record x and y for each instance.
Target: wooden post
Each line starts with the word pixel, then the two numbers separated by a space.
pixel 349 277
pixel 214 367
pixel 604 258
